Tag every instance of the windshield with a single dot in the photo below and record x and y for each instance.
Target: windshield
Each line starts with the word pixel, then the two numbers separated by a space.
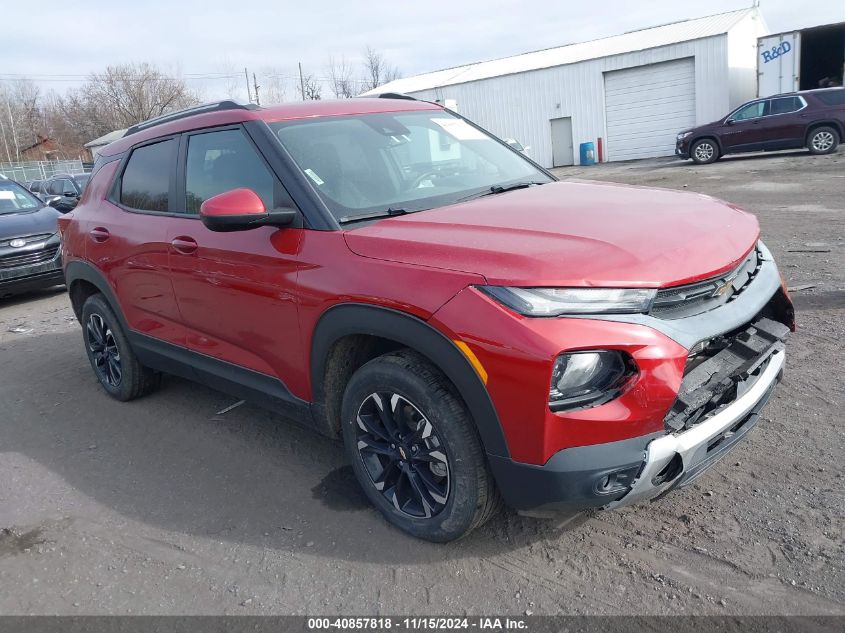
pixel 399 161
pixel 14 198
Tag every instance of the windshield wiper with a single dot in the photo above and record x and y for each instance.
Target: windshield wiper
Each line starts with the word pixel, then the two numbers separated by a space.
pixel 390 211
pixel 495 189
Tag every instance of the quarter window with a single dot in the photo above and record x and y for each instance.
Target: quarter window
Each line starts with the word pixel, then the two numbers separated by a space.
pixel 146 180
pixel 785 105
pixel 221 161
pixel 54 188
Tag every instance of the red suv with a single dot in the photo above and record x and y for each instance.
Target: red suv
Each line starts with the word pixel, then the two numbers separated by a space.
pixel 386 271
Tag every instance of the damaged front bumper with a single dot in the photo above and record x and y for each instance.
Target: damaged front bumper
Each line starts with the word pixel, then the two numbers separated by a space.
pixel 719 402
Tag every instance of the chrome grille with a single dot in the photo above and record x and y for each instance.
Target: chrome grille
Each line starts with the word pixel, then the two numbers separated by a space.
pixel 691 299
pixel 16 260
pixel 28 239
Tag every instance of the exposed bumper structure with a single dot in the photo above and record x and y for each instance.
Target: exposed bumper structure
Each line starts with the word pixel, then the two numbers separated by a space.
pixel 676 460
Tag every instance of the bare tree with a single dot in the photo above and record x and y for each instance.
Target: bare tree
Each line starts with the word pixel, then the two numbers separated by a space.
pixel 311 88
pixel 273 89
pixel 377 71
pixel 340 78
pixel 23 122
pixel 131 93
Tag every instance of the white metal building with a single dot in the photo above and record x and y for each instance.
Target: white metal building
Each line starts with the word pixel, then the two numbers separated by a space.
pixel 634 90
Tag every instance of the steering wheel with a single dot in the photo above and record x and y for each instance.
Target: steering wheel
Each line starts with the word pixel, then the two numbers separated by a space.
pixel 419 179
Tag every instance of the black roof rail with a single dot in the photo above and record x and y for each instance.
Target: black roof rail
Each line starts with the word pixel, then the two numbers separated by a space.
pixel 396 95
pixel 216 106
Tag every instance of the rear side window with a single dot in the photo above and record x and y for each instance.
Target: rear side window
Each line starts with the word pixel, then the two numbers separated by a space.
pixel 785 105
pixel 833 97
pixel 222 161
pixel 145 184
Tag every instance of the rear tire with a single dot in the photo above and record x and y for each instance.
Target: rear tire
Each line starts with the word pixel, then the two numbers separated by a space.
pixel 114 363
pixel 415 450
pixel 704 151
pixel 823 140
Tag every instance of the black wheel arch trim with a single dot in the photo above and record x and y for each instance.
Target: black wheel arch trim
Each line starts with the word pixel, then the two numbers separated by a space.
pixel 83 271
pixel 363 319
pixel 836 125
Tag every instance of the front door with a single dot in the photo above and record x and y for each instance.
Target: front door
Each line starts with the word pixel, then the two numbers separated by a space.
pixel 235 291
pixel 563 152
pixel 744 130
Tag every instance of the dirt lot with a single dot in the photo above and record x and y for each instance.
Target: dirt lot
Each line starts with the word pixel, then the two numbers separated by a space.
pixel 166 506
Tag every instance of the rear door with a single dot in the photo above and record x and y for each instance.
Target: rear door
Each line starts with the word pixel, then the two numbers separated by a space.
pixel 784 126
pixel 236 291
pixel 127 240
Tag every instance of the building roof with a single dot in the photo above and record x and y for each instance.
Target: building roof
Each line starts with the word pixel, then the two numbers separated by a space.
pixel 615 45
pixel 105 139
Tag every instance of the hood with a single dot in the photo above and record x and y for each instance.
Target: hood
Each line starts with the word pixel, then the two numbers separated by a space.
pixel 43 220
pixel 570 234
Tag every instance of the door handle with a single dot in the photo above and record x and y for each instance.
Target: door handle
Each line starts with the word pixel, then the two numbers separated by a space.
pixel 184 245
pixel 99 234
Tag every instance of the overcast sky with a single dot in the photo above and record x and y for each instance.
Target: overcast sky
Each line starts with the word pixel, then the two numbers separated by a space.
pixel 57 42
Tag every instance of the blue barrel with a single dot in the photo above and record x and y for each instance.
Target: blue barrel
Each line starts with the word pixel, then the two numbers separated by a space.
pixel 588 153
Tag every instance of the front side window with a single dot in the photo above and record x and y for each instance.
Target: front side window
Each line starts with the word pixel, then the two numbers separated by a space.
pixel 751 111
pixel 222 161
pixel 785 105
pixel 14 198
pixel 369 163
pixel 67 188
pixel 145 184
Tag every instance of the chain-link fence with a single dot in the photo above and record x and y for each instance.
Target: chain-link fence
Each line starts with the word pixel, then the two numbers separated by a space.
pixel 40 169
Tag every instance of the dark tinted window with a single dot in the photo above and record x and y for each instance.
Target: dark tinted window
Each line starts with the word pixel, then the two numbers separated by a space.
pixel 222 161
pixel 832 97
pixel 54 187
pixel 81 181
pixel 67 188
pixel 785 105
pixel 146 181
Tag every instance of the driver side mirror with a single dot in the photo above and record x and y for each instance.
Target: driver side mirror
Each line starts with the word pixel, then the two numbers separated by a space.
pixel 514 144
pixel 730 122
pixel 241 210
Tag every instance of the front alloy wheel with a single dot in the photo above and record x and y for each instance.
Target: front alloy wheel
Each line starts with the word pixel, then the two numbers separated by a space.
pixel 704 152
pixel 415 449
pixel 403 455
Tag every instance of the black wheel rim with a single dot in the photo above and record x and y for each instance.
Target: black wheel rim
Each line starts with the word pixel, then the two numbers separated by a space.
pixel 403 455
pixel 104 352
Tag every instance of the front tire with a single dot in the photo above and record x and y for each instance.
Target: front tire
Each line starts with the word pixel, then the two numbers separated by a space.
pixel 112 359
pixel 823 140
pixel 415 450
pixel 704 151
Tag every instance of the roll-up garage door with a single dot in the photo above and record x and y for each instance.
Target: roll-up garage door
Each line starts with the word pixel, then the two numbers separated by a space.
pixel 647 106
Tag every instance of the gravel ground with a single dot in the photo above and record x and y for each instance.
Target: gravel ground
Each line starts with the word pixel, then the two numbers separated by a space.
pixel 165 506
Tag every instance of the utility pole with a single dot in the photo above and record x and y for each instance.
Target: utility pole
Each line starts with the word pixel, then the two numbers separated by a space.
pixel 255 84
pixel 301 82
pixel 248 93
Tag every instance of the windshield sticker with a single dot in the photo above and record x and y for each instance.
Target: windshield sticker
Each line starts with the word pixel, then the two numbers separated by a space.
pixel 460 129
pixel 7 195
pixel 314 176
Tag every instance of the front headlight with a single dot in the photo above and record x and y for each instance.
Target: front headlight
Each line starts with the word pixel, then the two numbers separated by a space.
pixel 583 379
pixel 558 301
pixel 683 135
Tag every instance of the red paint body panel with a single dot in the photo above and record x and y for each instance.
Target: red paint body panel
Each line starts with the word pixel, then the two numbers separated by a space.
pixel 571 234
pixel 518 353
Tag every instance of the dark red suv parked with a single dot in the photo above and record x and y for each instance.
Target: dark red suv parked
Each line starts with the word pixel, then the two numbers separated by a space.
pixel 385 271
pixel 814 119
